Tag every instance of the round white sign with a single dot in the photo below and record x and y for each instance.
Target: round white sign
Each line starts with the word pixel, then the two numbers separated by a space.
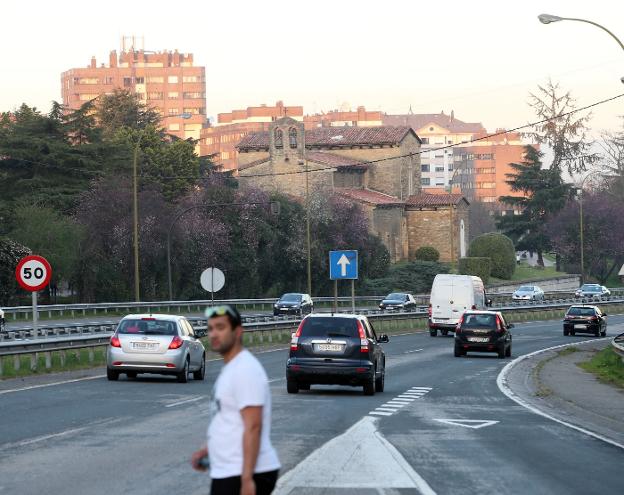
pixel 33 273
pixel 212 279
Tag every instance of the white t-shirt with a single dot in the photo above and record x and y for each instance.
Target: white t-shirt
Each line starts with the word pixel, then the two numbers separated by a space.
pixel 241 383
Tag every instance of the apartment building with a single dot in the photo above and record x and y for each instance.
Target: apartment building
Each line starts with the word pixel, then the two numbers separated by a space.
pixel 344 117
pixel 167 81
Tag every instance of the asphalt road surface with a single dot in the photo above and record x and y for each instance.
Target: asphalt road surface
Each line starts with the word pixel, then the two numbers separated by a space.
pixel 442 426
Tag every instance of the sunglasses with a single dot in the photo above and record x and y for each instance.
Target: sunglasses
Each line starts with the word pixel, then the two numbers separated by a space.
pixel 222 311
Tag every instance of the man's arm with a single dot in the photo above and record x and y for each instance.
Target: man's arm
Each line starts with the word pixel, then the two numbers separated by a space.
pixel 252 423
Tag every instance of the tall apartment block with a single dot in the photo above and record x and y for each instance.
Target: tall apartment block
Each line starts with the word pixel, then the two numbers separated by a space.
pixel 167 81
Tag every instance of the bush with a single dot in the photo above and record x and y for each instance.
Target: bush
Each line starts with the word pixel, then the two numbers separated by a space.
pixel 500 249
pixel 415 277
pixel 427 253
pixel 479 267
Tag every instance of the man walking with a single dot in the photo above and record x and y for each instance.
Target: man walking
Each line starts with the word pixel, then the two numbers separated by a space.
pixel 242 459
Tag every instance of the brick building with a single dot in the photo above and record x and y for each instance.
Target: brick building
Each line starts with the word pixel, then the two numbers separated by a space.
pixel 377 167
pixel 167 81
pixel 344 118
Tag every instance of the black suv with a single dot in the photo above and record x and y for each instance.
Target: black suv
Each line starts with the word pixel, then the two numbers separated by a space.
pixel 293 303
pixel 336 350
pixel 586 319
pixel 483 331
pixel 398 300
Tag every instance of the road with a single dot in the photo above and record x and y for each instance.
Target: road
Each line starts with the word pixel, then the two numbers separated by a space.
pixel 452 431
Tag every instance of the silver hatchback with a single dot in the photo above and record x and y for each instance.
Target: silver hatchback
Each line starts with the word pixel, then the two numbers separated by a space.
pixel 161 344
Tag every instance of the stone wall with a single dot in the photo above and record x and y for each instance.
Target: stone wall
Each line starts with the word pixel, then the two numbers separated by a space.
pixel 389 224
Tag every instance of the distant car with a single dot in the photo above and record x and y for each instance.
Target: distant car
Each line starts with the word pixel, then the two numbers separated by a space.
pixel 605 291
pixel 585 319
pixel 2 322
pixel 589 291
pixel 162 344
pixel 483 331
pixel 398 300
pixel 336 350
pixel 528 293
pixel 293 303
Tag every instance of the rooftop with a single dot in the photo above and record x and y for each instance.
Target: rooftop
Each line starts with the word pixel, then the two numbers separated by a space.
pixel 369 196
pixel 419 120
pixel 429 200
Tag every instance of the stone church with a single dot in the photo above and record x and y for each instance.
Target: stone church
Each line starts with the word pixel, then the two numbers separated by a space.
pixel 377 167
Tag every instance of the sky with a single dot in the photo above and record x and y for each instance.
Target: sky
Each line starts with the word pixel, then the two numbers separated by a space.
pixel 480 59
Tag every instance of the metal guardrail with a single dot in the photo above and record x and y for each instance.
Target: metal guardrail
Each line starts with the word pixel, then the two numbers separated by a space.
pixel 618 345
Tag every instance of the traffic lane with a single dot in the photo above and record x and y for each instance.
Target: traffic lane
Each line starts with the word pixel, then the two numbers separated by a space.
pixel 521 453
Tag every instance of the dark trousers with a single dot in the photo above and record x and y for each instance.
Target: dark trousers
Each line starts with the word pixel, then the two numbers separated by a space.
pixel 265 482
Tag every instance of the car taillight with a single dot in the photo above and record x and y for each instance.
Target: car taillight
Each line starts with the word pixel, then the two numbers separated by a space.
pixel 363 339
pixel 294 343
pixel 114 341
pixel 499 326
pixel 430 310
pixel 176 343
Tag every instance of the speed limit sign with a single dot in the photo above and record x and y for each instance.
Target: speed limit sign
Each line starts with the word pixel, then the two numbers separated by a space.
pixel 33 273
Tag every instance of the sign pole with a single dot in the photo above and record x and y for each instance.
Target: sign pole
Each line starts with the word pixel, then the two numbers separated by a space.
pixel 335 296
pixel 35 312
pixel 353 295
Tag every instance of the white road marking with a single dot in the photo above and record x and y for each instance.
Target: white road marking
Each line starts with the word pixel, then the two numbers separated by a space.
pixel 501 381
pixel 386 409
pixel 410 352
pixel 44 385
pixel 421 388
pixel 475 424
pixel 187 401
pixel 381 413
pixel 395 404
pixel 334 460
pixel 277 380
pixel 403 398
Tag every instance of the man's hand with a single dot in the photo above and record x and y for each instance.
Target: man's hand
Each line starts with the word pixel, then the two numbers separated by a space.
pixel 195 458
pixel 248 486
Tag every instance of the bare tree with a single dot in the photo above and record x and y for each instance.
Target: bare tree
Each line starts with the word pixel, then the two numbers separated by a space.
pixel 564 132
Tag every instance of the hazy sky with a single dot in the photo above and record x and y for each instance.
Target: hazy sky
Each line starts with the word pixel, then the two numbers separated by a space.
pixel 478 58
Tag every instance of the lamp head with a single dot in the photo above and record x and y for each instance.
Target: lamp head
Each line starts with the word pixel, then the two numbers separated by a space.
pixel 548 18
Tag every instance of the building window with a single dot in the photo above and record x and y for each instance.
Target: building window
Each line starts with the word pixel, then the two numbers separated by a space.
pixel 155 95
pixel 292 137
pixel 140 80
pixel 439 169
pixel 450 167
pixel 108 80
pixel 172 79
pixel 424 168
pixel 155 79
pixel 425 140
pixel 88 80
pixel 193 95
pixel 431 129
pixel 279 141
pixel 174 127
pixel 190 79
pixel 87 97
pixel 127 81
pixel 425 181
pixel 173 95
pixel 173 111
pixel 192 111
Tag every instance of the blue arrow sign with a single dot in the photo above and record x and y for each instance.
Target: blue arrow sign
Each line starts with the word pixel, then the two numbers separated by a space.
pixel 343 265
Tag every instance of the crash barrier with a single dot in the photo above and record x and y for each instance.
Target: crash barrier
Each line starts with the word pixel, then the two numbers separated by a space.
pixel 265 304
pixel 261 330
pixel 618 345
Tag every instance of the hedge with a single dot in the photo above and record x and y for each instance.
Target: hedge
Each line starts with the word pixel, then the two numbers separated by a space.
pixel 427 253
pixel 477 266
pixel 500 249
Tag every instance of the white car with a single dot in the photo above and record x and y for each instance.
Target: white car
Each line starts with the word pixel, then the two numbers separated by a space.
pixel 605 291
pixel 528 293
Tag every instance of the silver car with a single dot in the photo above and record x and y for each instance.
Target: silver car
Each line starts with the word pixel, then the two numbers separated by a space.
pixel 162 344
pixel 528 293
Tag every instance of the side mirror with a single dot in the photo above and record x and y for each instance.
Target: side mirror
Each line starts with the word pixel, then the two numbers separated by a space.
pixel 604 314
pixel 383 339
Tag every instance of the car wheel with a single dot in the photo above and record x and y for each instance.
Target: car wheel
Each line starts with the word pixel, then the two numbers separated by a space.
pixel 292 387
pixel 183 375
pixel 508 351
pixel 501 352
pixel 380 382
pixel 201 372
pixel 304 386
pixel 445 332
pixel 131 374
pixel 573 332
pixel 459 352
pixel 604 331
pixel 369 386
pixel 433 332
pixel 566 332
pixel 112 375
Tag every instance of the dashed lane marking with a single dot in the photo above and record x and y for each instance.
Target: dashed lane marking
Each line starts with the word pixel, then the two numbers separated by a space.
pixel 395 404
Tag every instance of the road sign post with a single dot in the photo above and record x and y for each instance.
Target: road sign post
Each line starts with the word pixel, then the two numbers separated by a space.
pixel 343 265
pixel 33 273
pixel 212 280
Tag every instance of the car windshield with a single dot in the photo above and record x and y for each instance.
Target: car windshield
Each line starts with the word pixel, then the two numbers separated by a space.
pixel 525 288
pixel 589 287
pixel 330 327
pixel 581 312
pixel 291 298
pixel 147 327
pixel 593 289
pixel 395 296
pixel 479 321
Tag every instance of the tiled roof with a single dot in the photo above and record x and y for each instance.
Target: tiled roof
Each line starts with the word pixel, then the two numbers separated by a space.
pixel 427 200
pixel 369 196
pixel 419 120
pixel 336 136
pixel 334 160
pixel 254 163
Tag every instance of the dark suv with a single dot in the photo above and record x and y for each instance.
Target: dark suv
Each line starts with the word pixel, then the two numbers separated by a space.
pixel 293 303
pixel 483 331
pixel 586 319
pixel 336 350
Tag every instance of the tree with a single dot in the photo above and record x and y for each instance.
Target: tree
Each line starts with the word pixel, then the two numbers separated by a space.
pixel 564 132
pixel 123 108
pixel 500 249
pixel 480 219
pixel 10 254
pixel 612 165
pixel 543 194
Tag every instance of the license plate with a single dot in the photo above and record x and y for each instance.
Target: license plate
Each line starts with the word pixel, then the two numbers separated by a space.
pixel 580 326
pixel 478 339
pixel 329 347
pixel 144 346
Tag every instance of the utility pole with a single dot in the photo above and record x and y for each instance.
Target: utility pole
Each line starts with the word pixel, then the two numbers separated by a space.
pixel 135 208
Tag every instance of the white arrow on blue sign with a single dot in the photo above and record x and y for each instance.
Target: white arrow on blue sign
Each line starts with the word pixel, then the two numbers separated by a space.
pixel 343 265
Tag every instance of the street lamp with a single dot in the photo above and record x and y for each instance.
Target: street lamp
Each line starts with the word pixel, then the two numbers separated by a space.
pixel 549 18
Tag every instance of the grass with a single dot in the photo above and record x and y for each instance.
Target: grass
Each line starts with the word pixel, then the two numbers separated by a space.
pixel 607 366
pixel 526 272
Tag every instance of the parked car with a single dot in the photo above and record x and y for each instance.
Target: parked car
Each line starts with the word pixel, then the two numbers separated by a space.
pixel 162 344
pixel 293 303
pixel 585 319
pixel 336 350
pixel 483 331
pixel 451 295
pixel 528 293
pixel 589 291
pixel 398 300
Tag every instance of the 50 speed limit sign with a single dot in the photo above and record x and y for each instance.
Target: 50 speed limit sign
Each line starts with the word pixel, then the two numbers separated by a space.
pixel 33 273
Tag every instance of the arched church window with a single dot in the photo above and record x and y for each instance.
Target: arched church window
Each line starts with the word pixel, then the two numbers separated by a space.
pixel 279 140
pixel 292 137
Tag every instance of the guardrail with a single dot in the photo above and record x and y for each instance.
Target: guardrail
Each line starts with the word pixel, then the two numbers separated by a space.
pixel 618 345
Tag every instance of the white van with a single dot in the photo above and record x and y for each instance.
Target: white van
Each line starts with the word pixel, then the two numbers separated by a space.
pixel 451 295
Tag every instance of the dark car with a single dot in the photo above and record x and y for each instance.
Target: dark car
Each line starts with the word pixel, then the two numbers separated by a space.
pixel 585 319
pixel 590 291
pixel 336 350
pixel 483 331
pixel 398 300
pixel 294 304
